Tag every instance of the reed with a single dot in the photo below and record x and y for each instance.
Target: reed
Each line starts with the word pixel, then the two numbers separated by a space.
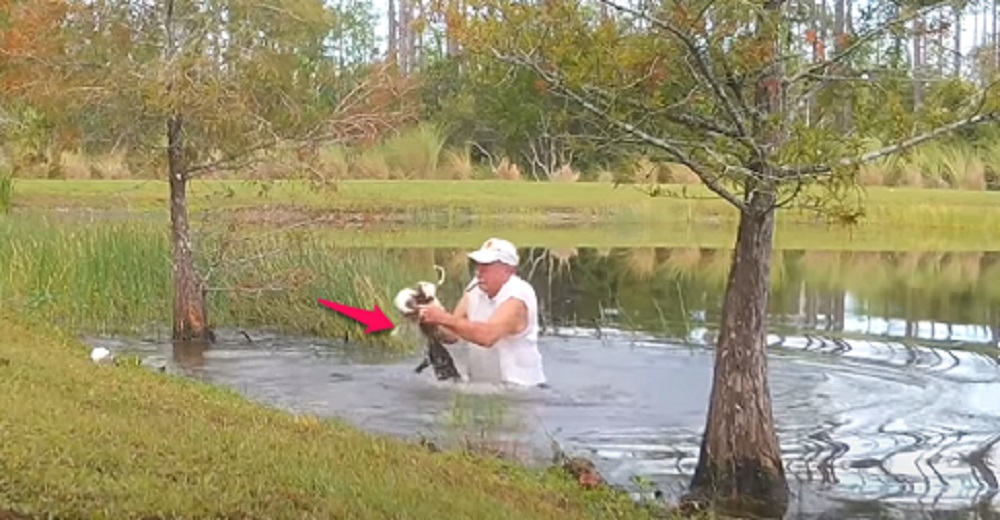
pixel 114 278
pixel 6 192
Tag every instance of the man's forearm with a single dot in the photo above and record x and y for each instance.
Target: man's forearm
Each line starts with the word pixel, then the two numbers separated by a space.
pixel 447 335
pixel 482 334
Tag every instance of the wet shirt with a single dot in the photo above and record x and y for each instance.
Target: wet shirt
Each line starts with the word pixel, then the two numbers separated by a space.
pixel 514 358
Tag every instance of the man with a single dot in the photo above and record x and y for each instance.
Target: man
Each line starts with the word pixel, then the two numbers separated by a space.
pixel 497 318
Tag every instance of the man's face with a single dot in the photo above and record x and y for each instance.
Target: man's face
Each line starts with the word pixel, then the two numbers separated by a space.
pixel 491 277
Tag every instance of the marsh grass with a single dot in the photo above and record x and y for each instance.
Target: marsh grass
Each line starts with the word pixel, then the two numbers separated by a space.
pixel 951 165
pixel 125 442
pixel 486 424
pixel 6 192
pixel 110 278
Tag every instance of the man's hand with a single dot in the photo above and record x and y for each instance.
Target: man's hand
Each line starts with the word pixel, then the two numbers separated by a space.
pixel 434 315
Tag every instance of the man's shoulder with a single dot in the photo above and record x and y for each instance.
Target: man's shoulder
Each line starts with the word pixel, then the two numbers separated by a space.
pixel 525 284
pixel 521 288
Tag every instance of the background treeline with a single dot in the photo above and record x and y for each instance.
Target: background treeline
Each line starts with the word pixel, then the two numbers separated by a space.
pixel 454 114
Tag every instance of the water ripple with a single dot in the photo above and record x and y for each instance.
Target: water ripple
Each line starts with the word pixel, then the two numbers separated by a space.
pixel 859 421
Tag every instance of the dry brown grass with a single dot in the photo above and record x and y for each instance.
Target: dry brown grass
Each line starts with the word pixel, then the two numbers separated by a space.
pixel 681 174
pixel 565 173
pixel 76 165
pixel 458 164
pixel 641 262
pixel 508 170
pixel 605 176
pixel 646 171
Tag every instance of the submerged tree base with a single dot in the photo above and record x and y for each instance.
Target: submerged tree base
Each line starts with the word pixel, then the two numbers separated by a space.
pixel 190 325
pixel 744 488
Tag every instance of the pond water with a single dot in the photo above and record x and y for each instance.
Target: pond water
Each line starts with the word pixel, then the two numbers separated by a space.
pixel 883 365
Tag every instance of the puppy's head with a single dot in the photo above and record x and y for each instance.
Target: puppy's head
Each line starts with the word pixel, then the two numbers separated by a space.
pixel 407 300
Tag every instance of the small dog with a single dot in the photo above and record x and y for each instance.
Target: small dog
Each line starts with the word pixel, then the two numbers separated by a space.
pixel 437 356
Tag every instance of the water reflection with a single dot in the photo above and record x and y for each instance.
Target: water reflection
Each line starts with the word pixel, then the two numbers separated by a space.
pixel 884 372
pixel 932 296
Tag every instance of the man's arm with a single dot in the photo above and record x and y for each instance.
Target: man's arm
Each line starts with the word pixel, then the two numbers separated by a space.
pixel 510 318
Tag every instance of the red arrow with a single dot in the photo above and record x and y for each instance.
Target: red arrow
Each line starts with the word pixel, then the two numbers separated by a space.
pixel 376 320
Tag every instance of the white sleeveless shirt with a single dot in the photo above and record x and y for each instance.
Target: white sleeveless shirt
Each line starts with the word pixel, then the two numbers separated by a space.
pixel 512 359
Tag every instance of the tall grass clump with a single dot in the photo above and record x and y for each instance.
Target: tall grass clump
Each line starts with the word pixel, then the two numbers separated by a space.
pixel 416 153
pixel 116 278
pixel 962 168
pixel 105 277
pixel 948 165
pixel 275 283
pixel 6 192
pixel 458 164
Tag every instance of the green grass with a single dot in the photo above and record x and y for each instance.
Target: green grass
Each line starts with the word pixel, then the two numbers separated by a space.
pixel 537 203
pixel 82 440
pixel 6 192
pixel 116 278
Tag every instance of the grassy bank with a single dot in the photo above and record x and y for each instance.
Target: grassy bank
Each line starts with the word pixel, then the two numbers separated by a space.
pixel 116 278
pixel 81 440
pixel 537 203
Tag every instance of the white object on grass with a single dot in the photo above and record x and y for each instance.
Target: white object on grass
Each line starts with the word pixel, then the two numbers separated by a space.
pixel 100 354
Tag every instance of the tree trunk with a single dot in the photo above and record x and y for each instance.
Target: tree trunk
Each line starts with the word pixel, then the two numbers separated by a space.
pixel 918 62
pixel 957 40
pixel 404 38
pixel 739 468
pixel 843 117
pixel 393 32
pixel 189 301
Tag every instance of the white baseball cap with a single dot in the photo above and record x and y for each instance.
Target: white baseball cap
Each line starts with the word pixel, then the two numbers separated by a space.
pixel 495 250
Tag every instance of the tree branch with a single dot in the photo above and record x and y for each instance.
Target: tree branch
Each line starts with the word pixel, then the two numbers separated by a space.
pixel 933 134
pixel 665 145
pixel 231 161
pixel 900 146
pixel 680 117
pixel 703 68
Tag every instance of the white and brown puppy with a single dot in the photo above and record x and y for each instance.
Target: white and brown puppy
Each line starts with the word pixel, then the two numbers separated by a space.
pixel 407 302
